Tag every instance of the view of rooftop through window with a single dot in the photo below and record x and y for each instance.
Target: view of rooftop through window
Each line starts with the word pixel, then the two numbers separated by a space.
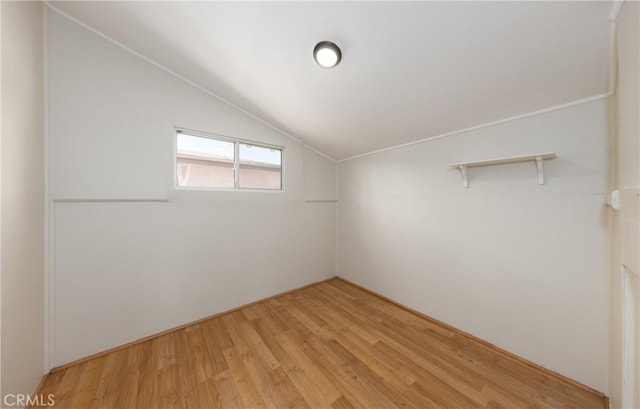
pixel 259 154
pixel 205 147
pixel 209 162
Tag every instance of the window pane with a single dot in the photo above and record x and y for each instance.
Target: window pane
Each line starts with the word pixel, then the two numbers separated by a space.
pixel 260 167
pixel 204 162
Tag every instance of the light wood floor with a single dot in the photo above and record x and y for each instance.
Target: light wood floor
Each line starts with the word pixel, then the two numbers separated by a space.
pixel 332 345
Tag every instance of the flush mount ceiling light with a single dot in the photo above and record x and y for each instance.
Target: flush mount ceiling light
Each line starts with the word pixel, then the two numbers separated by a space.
pixel 327 54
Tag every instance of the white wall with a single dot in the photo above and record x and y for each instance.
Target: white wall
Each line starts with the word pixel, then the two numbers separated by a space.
pixel 22 198
pixel 515 263
pixel 127 270
pixel 320 177
pixel 625 223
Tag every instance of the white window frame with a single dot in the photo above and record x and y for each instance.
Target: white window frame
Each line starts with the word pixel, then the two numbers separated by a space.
pixel 236 161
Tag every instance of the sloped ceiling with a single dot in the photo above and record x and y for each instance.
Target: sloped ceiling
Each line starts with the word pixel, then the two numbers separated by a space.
pixel 410 70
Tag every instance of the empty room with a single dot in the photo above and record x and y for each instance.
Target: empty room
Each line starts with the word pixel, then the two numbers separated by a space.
pixel 426 204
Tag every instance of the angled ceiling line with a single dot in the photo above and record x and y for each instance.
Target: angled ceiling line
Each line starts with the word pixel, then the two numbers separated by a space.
pixel 613 74
pixel 188 81
pixel 485 125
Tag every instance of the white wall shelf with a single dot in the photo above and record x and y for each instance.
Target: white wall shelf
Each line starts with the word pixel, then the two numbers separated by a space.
pixel 538 158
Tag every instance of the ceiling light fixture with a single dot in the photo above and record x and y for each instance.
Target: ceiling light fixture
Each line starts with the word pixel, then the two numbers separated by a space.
pixel 327 54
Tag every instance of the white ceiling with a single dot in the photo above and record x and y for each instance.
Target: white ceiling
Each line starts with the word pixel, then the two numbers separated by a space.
pixel 410 70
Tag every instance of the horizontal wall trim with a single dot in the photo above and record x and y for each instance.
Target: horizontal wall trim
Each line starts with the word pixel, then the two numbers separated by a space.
pixel 497 349
pixel 110 200
pixel 485 125
pixel 183 326
pixel 188 81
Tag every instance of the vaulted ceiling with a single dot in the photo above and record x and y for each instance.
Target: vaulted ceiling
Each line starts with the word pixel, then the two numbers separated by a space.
pixel 410 70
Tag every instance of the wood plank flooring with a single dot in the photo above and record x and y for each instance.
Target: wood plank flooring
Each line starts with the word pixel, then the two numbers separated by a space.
pixel 332 345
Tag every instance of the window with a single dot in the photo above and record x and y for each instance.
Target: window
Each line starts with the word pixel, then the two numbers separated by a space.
pixel 223 163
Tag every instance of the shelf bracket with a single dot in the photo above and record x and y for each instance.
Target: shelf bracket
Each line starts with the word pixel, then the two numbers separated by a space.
pixel 463 172
pixel 540 167
pixel 539 158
